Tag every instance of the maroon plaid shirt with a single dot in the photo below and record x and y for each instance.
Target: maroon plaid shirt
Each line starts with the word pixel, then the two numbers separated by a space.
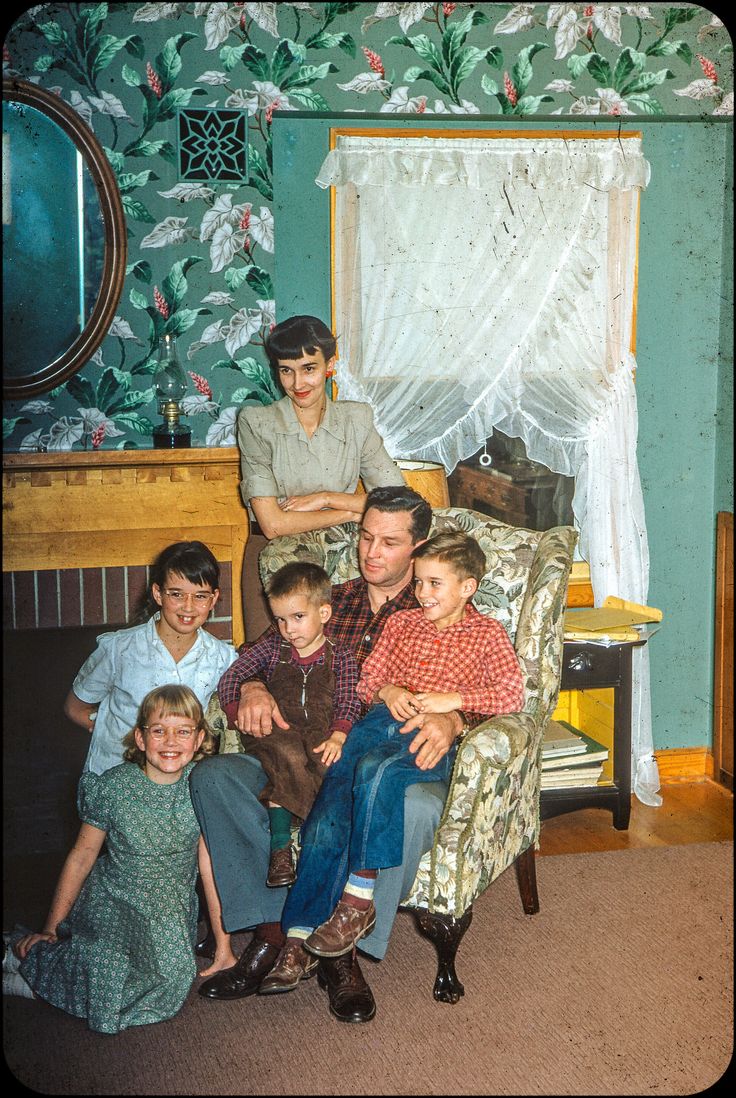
pixel 353 622
pixel 261 659
pixel 353 626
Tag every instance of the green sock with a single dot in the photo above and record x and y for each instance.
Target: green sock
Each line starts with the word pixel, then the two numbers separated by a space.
pixel 279 820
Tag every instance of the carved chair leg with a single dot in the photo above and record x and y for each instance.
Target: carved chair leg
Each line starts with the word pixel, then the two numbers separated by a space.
pixel 526 875
pixel 445 931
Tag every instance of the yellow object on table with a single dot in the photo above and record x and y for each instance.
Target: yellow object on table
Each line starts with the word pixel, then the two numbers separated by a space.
pixel 617 633
pixel 614 620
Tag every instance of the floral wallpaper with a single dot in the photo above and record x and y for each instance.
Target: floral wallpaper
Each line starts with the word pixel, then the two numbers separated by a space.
pixel 200 254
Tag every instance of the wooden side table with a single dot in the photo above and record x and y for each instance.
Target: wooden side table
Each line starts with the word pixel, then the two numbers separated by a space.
pixel 590 666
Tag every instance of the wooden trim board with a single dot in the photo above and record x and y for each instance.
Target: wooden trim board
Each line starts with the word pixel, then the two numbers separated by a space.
pixel 684 764
pixel 723 670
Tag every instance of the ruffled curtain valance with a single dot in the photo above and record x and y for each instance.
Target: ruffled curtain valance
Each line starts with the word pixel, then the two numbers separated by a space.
pixel 447 162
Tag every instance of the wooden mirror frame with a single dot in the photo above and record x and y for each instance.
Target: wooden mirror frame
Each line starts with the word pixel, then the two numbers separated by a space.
pixel 116 246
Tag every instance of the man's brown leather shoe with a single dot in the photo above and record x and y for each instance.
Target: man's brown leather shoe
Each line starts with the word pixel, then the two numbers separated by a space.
pixel 345 926
pixel 281 868
pixel 293 964
pixel 351 1000
pixel 243 978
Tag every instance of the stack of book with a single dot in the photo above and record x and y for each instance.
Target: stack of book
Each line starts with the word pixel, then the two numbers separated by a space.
pixel 570 758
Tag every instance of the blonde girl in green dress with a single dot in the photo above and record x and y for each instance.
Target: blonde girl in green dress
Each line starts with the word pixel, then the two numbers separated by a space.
pixel 117 947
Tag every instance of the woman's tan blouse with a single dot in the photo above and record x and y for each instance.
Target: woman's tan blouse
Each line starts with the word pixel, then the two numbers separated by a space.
pixel 277 459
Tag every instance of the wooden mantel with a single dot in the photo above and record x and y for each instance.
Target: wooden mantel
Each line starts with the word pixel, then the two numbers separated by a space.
pixel 122 507
pixel 112 508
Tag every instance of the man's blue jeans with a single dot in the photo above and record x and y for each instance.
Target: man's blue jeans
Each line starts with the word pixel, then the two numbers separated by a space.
pixel 357 819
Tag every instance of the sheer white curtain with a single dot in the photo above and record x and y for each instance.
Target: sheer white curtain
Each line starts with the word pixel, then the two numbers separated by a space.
pixel 488 283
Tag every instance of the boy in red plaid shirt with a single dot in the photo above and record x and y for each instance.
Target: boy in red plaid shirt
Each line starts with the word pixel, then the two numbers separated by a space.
pixel 442 657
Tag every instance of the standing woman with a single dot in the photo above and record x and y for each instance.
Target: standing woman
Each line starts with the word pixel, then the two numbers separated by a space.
pixel 302 456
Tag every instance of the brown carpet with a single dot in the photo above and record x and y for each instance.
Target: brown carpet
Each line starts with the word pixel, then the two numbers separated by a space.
pixel 622 984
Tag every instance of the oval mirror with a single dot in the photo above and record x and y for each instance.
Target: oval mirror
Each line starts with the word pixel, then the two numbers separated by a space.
pixel 64 241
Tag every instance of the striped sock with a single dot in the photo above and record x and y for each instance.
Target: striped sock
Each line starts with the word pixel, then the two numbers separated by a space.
pixel 358 891
pixel 302 932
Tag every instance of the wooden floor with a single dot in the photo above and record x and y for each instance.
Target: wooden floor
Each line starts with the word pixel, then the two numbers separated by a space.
pixel 691 812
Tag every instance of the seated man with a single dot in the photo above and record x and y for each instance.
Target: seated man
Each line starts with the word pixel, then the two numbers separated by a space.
pixel 427 661
pixel 225 788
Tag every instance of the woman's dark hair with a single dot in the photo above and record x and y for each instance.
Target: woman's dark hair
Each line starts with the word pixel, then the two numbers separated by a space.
pixel 297 336
pixel 190 559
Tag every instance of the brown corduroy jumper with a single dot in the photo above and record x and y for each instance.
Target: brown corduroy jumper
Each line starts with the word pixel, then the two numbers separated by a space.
pixel 305 697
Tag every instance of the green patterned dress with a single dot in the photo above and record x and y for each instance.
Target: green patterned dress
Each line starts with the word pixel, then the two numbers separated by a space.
pixel 124 955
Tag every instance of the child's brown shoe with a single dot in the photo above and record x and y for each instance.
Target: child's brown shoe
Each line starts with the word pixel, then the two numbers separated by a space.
pixel 281 868
pixel 292 965
pixel 345 926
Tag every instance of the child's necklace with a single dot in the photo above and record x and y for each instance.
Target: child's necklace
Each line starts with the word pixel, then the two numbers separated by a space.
pixel 305 675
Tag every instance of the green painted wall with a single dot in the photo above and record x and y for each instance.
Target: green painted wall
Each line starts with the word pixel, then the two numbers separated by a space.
pixel 680 319
pixel 601 64
pixel 724 412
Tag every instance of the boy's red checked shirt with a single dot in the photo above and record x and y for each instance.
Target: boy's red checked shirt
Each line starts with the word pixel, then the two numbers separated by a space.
pixel 474 657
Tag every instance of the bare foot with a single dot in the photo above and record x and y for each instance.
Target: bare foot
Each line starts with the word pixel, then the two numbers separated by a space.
pixel 223 959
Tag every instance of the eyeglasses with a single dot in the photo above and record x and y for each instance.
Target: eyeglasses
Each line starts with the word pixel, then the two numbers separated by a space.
pixel 201 598
pixel 158 733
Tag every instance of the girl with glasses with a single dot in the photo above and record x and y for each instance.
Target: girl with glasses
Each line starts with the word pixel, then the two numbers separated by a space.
pixel 117 947
pixel 169 645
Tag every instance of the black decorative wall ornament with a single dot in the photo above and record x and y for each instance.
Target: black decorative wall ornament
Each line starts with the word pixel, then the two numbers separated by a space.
pixel 213 144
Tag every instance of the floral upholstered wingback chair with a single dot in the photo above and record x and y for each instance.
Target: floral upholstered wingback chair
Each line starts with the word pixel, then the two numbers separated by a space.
pixel 491 816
